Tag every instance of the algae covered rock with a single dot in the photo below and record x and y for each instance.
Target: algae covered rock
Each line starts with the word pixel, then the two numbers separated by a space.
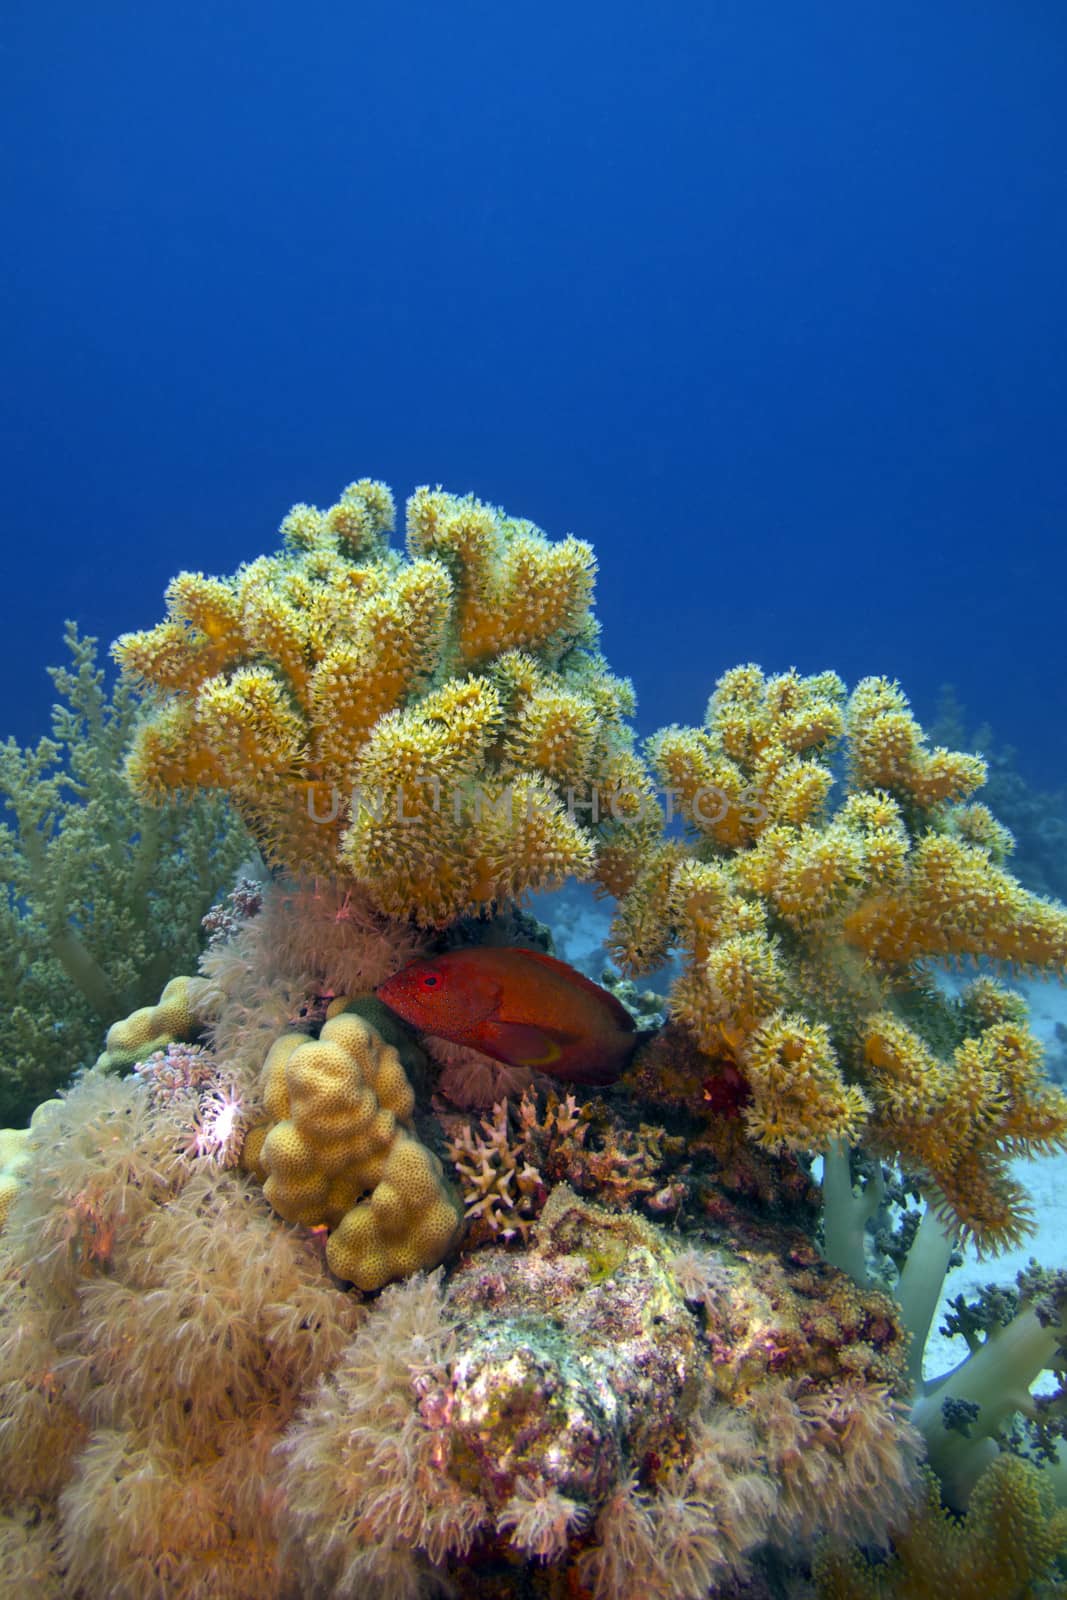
pixel 578 1357
pixel 642 1417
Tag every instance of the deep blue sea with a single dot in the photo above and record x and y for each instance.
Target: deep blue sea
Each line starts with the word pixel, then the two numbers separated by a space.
pixel 764 299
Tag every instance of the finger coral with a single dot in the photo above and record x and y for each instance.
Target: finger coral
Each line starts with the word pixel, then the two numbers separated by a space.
pixel 173 1017
pixel 811 921
pixel 338 1153
pixel 426 727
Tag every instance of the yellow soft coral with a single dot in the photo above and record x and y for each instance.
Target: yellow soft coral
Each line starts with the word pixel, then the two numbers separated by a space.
pixel 1005 1549
pixel 515 590
pixel 955 901
pixel 437 727
pixel 338 1153
pixel 804 916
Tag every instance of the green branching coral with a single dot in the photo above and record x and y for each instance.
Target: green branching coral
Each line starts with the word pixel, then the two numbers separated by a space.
pixel 427 726
pixel 102 894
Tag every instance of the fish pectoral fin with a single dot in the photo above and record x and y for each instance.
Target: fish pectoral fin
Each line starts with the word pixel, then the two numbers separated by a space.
pixel 528 1044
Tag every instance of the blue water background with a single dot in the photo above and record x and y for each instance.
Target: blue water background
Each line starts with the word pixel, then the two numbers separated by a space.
pixel 764 299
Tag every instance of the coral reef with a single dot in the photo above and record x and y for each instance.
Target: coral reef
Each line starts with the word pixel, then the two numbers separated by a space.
pixel 190 1405
pixel 103 894
pixel 809 931
pixel 416 726
pixel 250 1345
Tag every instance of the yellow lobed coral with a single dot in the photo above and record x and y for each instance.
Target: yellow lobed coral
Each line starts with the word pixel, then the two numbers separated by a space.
pixel 16 1153
pixel 338 1153
pixel 151 1028
pixel 429 726
pixel 807 922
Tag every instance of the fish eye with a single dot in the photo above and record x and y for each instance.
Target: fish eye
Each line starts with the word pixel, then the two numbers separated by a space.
pixel 430 982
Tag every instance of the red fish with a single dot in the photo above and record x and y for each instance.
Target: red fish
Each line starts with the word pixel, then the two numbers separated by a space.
pixel 518 1006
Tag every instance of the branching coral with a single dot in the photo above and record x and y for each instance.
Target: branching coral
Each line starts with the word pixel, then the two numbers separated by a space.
pixel 103 894
pixel 507 1167
pixel 418 726
pixel 809 927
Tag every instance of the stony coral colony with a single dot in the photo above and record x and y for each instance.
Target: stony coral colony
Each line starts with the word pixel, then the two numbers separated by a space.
pixel 592 1402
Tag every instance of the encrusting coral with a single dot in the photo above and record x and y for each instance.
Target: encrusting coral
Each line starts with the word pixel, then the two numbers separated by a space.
pixel 411 725
pixel 103 894
pixel 566 1405
pixel 808 928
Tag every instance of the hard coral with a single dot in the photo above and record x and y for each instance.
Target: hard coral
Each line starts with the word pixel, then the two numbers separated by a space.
pixel 507 1167
pixel 338 1153
pixel 808 929
pixel 414 725
pixel 175 1017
